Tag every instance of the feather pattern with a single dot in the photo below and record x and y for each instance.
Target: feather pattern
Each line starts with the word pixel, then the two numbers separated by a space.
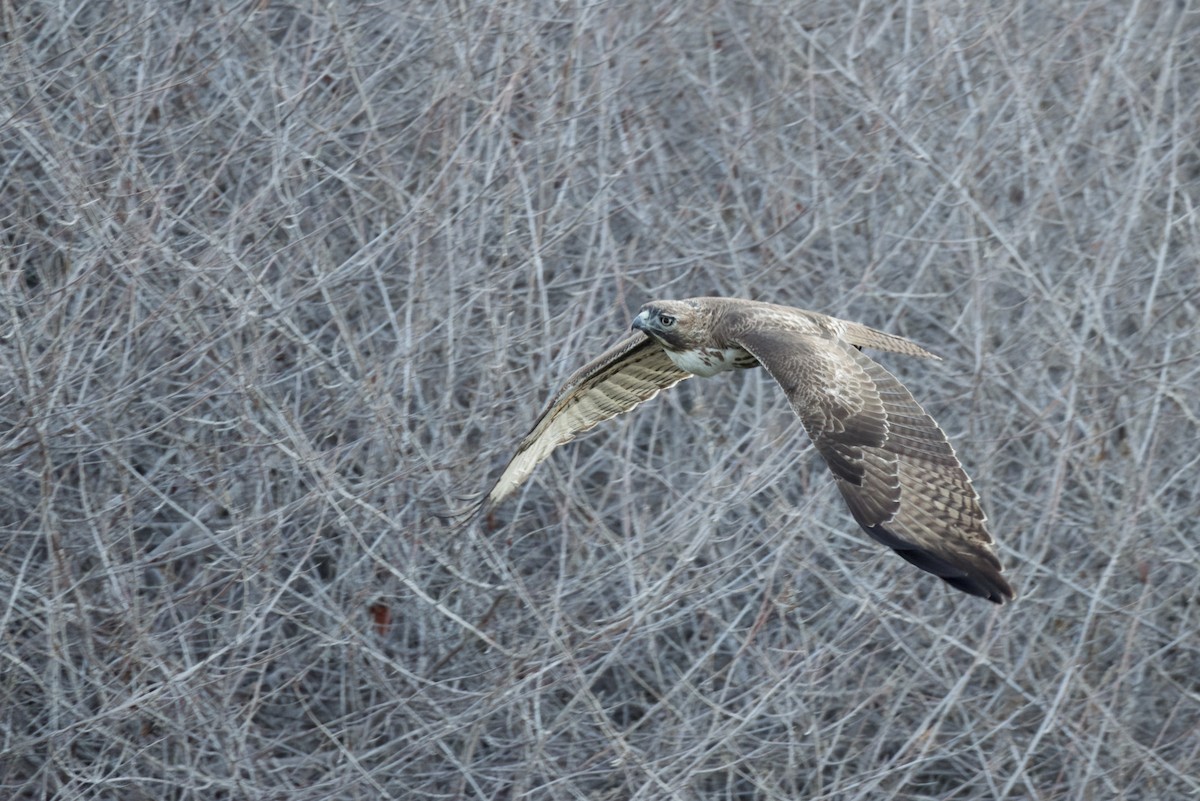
pixel 893 465
pixel 630 372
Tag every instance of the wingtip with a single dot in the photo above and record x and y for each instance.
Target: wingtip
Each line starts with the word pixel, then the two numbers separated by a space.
pixel 991 587
pixel 485 514
pixel 982 576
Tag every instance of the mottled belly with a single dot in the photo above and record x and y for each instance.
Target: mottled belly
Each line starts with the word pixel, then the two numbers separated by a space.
pixel 710 361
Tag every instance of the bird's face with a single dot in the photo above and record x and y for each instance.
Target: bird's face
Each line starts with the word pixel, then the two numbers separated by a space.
pixel 671 322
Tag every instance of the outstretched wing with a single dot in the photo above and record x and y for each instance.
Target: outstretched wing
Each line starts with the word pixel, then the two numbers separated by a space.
pixel 634 370
pixel 892 463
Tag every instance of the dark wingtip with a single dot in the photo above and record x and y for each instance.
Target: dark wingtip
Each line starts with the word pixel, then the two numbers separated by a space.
pixel 993 587
pixel 980 577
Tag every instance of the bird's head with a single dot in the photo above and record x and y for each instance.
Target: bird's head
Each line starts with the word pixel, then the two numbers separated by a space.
pixel 674 323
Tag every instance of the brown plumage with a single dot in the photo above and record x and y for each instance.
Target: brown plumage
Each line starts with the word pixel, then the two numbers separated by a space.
pixel 892 463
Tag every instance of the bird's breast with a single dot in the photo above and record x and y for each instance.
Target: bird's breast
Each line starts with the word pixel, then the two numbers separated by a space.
pixel 710 361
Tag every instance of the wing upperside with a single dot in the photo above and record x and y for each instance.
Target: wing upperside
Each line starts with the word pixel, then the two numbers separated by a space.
pixel 892 463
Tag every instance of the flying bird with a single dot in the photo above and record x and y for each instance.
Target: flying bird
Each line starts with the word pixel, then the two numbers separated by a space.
pixel 891 462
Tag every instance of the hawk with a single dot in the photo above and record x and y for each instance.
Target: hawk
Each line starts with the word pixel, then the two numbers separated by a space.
pixel 891 462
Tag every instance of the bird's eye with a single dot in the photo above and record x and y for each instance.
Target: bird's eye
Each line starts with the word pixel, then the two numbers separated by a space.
pixel 666 320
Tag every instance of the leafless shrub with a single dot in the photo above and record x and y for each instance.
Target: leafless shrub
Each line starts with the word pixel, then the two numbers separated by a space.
pixel 283 284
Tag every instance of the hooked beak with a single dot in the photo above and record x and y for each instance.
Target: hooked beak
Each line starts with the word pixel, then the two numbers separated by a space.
pixel 642 321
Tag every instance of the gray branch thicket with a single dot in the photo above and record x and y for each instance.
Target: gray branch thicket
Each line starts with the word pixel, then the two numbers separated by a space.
pixel 282 284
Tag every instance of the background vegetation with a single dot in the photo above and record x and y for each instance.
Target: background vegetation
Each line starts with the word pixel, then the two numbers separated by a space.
pixel 283 284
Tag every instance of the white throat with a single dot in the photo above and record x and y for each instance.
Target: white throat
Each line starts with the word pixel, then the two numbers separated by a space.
pixel 710 361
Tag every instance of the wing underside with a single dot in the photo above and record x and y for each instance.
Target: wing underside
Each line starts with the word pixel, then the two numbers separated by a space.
pixel 630 372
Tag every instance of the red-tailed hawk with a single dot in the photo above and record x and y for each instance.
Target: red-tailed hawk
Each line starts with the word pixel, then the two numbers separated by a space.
pixel 892 463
